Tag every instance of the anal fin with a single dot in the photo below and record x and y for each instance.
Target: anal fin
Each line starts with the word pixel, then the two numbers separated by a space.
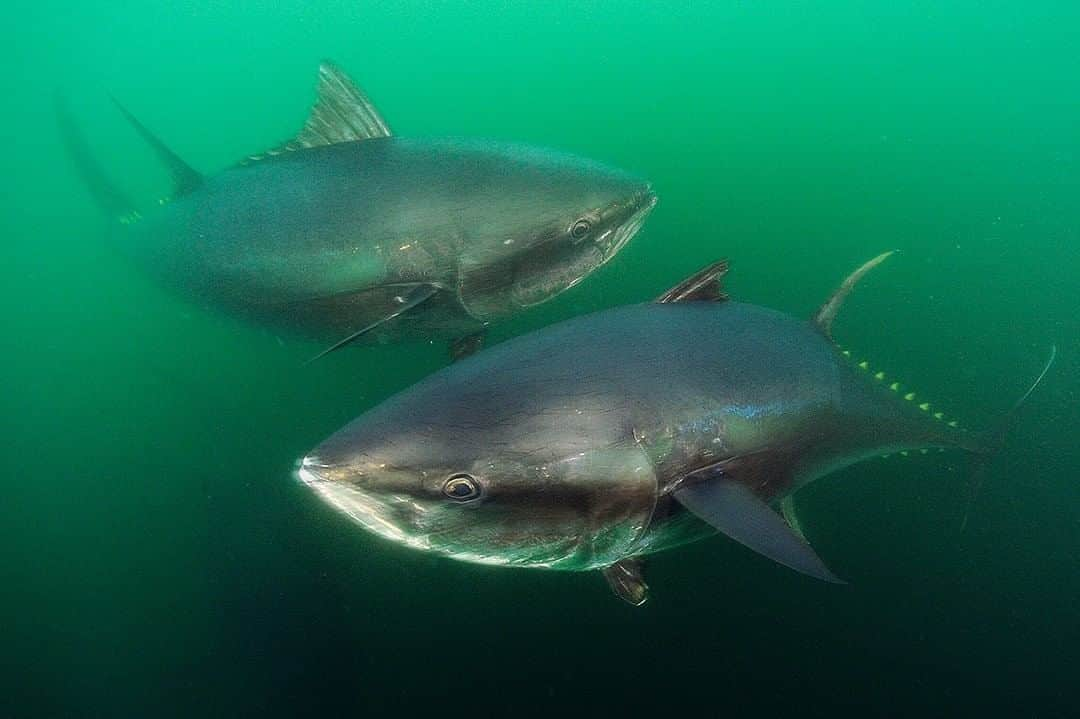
pixel 626 579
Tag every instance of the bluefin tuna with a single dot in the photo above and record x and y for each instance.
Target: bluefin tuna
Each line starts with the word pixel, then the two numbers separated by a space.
pixel 350 233
pixel 593 443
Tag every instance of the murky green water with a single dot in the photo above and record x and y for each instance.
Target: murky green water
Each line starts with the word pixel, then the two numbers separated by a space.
pixel 156 557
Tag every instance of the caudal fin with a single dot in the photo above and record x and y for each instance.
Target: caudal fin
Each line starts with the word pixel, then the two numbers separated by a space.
pixel 106 194
pixel 987 444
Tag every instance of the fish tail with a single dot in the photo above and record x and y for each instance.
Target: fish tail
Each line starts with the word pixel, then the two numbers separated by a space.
pixel 985 445
pixel 105 193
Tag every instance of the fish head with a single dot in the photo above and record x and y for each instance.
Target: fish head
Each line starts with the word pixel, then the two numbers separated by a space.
pixel 482 474
pixel 555 219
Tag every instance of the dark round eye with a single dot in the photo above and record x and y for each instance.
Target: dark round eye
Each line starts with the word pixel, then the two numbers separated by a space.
pixel 580 229
pixel 461 487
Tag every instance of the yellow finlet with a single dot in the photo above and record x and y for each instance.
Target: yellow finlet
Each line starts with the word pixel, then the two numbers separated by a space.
pixel 864 365
pixel 895 386
pixel 939 415
pixel 909 396
pixel 954 423
pixel 879 376
pixel 925 406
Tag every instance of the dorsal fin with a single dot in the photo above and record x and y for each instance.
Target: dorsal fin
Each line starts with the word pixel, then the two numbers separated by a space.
pixel 702 286
pixel 341 113
pixel 825 316
pixel 185 179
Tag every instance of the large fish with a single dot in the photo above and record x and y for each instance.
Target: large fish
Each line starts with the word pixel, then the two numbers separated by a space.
pixel 592 443
pixel 348 232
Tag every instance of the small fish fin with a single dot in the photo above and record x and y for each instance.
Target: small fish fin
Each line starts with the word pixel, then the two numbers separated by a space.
pixel 626 578
pixel 462 347
pixel 341 113
pixel 735 510
pixel 702 286
pixel 407 297
pixel 106 194
pixel 787 508
pixel 825 316
pixel 185 179
pixel 985 445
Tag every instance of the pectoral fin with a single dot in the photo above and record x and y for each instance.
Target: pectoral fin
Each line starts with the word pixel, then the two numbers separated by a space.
pixel 627 580
pixel 408 297
pixel 733 509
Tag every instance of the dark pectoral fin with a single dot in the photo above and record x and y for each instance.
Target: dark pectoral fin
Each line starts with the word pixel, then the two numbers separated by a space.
pixel 627 580
pixel 733 509
pixel 702 286
pixel 408 297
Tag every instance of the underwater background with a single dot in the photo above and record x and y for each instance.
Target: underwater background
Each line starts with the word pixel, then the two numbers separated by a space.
pixel 157 556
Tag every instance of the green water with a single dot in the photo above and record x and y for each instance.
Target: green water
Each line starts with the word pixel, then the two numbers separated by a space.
pixel 156 557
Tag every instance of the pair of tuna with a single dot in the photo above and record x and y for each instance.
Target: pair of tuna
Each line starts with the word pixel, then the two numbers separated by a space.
pixel 584 446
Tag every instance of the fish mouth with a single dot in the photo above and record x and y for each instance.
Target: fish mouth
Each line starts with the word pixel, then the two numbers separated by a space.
pixel 382 516
pixel 635 211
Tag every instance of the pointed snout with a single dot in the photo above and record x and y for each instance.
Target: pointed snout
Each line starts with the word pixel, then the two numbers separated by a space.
pixel 316 468
pixel 309 470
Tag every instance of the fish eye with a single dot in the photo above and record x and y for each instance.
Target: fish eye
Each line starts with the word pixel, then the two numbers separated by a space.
pixel 461 488
pixel 580 230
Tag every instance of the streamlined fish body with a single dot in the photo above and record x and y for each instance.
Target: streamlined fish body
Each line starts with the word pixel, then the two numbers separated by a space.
pixel 597 441
pixel 349 233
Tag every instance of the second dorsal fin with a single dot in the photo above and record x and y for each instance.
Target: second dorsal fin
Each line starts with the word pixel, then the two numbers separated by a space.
pixel 702 286
pixel 341 113
pixel 825 316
